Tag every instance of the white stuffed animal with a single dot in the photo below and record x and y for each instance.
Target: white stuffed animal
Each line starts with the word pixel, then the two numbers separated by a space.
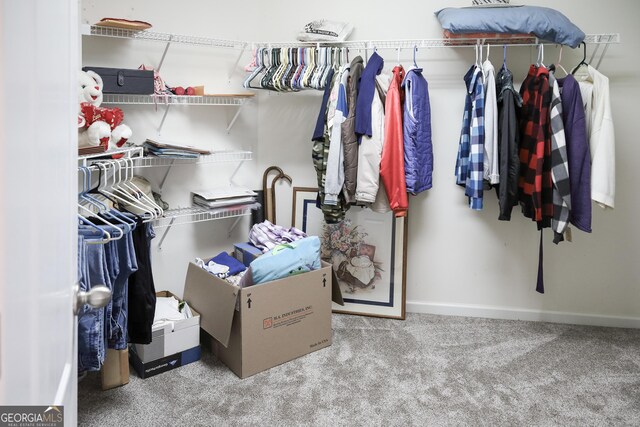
pixel 97 125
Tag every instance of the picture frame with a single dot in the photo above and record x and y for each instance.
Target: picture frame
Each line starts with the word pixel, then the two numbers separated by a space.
pixel 368 251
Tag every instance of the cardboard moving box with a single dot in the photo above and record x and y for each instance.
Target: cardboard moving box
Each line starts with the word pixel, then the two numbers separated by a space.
pixel 276 321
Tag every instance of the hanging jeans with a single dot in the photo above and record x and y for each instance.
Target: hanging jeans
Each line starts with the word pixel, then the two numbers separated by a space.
pixel 91 331
pixel 127 264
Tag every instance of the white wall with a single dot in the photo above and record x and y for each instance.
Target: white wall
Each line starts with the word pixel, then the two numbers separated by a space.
pixel 459 261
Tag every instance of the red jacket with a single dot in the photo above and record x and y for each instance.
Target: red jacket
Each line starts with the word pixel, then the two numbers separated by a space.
pixel 392 162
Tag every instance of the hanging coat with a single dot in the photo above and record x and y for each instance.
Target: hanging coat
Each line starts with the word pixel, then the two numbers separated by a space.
pixel 392 163
pixel 349 139
pixel 418 150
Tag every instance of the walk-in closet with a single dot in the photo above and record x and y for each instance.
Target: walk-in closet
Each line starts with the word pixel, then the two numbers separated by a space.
pixel 352 214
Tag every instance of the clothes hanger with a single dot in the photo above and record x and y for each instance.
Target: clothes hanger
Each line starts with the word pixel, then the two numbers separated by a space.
pixel 318 67
pixel 322 65
pixel 142 196
pixel 540 60
pixel 273 66
pixel 91 213
pixel 553 67
pixel 298 70
pixel 293 66
pixel 104 226
pixel 259 69
pixel 275 80
pixel 415 51
pixel 106 189
pixel 326 60
pixel 106 237
pixel 285 59
pixel 504 57
pixel 268 63
pixel 332 65
pixel 488 51
pixel 584 59
pixel 309 66
pixel 124 186
pixel 103 209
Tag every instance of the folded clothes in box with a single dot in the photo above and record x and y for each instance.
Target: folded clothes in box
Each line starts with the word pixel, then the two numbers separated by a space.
pixel 286 260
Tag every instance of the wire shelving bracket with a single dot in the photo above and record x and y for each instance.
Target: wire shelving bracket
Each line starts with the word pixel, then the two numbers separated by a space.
pixel 197 214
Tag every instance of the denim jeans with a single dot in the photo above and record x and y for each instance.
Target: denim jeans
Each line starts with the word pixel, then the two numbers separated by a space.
pixel 117 336
pixel 91 337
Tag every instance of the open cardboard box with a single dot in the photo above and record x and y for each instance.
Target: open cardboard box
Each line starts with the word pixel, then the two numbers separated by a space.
pixel 275 322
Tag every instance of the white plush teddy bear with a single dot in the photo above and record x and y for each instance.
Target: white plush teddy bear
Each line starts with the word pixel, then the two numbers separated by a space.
pixel 97 125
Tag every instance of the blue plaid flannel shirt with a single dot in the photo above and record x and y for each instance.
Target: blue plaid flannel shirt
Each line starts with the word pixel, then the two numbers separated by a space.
pixel 470 160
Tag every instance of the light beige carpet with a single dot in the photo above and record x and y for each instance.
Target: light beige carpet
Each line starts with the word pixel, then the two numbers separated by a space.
pixel 427 370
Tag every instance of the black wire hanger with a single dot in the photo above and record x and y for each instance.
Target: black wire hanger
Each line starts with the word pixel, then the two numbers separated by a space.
pixel 584 59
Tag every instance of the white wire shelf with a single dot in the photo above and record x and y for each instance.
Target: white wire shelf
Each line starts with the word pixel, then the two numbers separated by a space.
pixel 223 100
pixel 95 30
pixel 605 38
pixel 196 214
pixel 216 157
pixel 127 152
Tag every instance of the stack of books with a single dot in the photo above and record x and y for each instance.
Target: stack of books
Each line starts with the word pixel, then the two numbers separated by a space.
pixel 172 150
pixel 224 197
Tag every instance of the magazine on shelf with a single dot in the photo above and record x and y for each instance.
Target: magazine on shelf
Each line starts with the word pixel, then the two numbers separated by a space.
pixel 222 193
pixel 170 145
pixel 224 202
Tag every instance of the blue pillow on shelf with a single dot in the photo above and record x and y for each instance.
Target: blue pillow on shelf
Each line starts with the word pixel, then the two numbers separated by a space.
pixel 543 22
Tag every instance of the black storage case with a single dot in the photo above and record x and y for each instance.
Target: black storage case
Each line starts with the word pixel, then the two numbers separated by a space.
pixel 123 81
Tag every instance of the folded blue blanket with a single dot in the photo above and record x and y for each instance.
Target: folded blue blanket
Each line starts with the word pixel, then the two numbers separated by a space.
pixel 287 260
pixel 234 265
pixel 543 22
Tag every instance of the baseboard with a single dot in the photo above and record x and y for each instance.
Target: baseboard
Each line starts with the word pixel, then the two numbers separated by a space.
pixel 522 314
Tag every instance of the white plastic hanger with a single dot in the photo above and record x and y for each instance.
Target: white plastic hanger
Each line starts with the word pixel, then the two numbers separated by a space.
pixel 559 65
pixel 112 214
pixel 128 188
pixel 106 189
pixel 129 184
pixel 106 237
pixel 540 60
pixel 112 227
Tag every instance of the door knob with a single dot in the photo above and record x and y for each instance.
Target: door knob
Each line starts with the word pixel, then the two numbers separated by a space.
pixel 96 297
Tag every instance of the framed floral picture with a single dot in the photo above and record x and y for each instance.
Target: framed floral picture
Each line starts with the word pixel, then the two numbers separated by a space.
pixel 367 251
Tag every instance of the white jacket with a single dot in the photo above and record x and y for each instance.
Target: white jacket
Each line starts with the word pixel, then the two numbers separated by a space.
pixel 594 87
pixel 370 150
pixel 491 164
pixel 335 160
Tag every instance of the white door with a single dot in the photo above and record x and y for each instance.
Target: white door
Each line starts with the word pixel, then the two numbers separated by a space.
pixel 38 179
